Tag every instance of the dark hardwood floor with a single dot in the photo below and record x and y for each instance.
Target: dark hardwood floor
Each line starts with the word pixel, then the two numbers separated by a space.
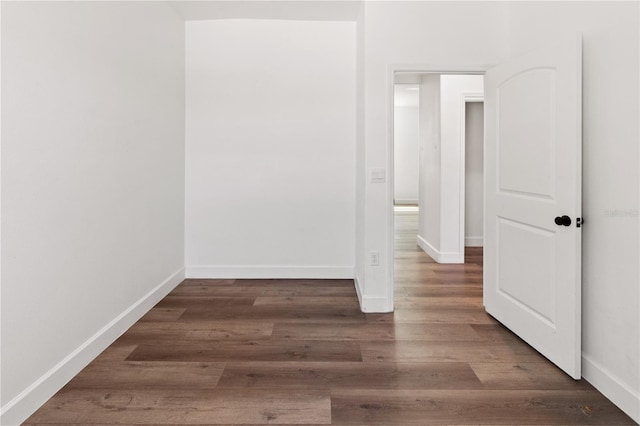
pixel 301 352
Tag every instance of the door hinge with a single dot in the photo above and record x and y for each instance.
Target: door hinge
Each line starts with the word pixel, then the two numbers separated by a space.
pixel 579 222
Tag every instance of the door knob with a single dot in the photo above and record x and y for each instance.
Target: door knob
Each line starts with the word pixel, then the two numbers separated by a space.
pixel 563 220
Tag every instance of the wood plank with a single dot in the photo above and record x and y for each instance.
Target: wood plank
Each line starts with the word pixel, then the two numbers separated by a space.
pixel 197 330
pixel 442 290
pixel 435 315
pixel 115 353
pixel 341 375
pixel 255 350
pixel 226 406
pixel 403 302
pixel 456 268
pixel 292 301
pixel 409 351
pixel 376 332
pixel 479 407
pixel 299 314
pixel 258 290
pixel 162 314
pixel 497 333
pixel 526 375
pixel 211 302
pixel 148 375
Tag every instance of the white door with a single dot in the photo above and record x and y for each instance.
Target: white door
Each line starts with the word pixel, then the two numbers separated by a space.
pixel 533 166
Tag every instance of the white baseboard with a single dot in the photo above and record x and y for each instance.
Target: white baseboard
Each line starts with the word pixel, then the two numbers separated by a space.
pixel 438 256
pixel 473 241
pixel 612 387
pixel 375 305
pixel 370 304
pixel 359 290
pixel 406 201
pixel 270 272
pixel 28 401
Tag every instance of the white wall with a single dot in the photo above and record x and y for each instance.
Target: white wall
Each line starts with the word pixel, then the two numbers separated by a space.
pixel 406 143
pixel 270 148
pixel 412 36
pixel 430 172
pixel 452 92
pixel 92 183
pixel 442 199
pixel 361 184
pixel 610 276
pixel 474 175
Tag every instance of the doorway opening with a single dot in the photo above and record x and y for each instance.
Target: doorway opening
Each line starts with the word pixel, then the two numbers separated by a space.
pixel 532 181
pixel 437 139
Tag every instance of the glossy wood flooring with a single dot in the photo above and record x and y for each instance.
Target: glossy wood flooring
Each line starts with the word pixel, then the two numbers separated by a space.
pixel 301 352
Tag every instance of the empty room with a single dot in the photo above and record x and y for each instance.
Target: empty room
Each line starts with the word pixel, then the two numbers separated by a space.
pixel 207 216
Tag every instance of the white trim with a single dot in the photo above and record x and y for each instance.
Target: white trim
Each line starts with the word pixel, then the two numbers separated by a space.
pixel 370 304
pixel 1 408
pixel 612 387
pixel 441 69
pixel 359 289
pixel 392 70
pixel 378 305
pixel 473 241
pixel 438 256
pixel 464 98
pixel 269 271
pixel 406 201
pixel 29 400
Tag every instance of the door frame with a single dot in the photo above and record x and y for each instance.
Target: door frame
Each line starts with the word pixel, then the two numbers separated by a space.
pixel 464 99
pixel 392 70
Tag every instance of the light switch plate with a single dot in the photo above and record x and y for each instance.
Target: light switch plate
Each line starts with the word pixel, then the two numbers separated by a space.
pixel 378 175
